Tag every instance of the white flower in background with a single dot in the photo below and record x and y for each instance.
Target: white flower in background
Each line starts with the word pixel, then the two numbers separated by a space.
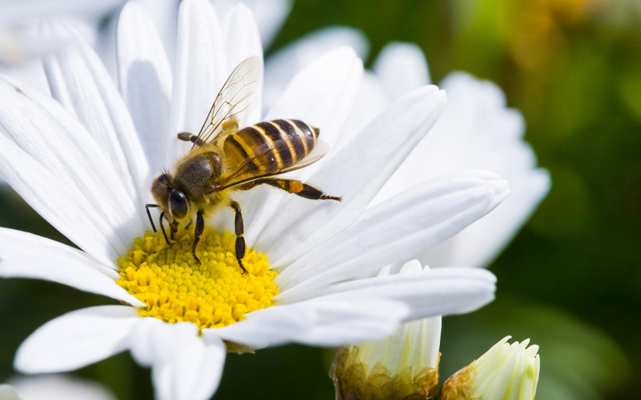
pixel 85 163
pixel 20 45
pixel 402 366
pixel 476 130
pixel 56 387
pixel 19 22
pixel 504 372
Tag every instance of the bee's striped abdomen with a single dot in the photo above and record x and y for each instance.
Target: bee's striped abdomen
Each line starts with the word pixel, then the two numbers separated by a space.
pixel 273 145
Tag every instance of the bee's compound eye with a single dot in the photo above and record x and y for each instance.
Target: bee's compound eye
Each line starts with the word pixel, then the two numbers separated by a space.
pixel 178 204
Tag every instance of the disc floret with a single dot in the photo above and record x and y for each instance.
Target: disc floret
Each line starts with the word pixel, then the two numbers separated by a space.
pixel 211 294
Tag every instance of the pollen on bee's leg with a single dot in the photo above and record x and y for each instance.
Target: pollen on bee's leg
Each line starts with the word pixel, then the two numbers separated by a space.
pixel 211 294
pixel 295 187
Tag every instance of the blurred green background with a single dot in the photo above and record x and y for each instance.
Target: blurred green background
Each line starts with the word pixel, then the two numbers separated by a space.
pixel 570 281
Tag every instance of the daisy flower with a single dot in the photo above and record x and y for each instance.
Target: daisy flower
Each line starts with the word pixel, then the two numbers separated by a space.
pixel 85 159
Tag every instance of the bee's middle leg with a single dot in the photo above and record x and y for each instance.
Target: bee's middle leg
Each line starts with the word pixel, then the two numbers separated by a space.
pixel 239 230
pixel 198 230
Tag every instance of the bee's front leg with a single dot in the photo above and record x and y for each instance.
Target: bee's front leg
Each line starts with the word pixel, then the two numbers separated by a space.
pixel 174 229
pixel 200 227
pixel 240 240
pixel 147 207
pixel 162 227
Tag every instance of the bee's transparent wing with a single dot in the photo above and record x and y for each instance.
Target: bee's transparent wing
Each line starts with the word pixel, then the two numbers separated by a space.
pixel 251 168
pixel 234 103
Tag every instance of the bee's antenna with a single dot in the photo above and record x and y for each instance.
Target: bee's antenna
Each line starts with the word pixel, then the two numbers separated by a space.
pixel 147 206
pixel 162 227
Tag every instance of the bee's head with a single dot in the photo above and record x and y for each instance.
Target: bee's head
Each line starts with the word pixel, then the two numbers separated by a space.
pixel 170 200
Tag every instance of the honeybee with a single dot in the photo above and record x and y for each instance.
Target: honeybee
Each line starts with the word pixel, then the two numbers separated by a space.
pixel 224 159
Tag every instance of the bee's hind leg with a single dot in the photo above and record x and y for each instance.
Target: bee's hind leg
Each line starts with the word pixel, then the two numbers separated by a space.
pixel 239 230
pixel 200 227
pixel 295 187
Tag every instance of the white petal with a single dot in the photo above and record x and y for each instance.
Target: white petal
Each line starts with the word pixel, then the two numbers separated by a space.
pixel 43 129
pixel 415 344
pixel 164 13
pixel 320 95
pixel 434 292
pixel 270 15
pixel 283 65
pixel 356 174
pixel 477 130
pixel 426 333
pixel 184 367
pixel 29 256
pixel 106 47
pixel 482 241
pixel 63 206
pixel 76 339
pixel 145 81
pixel 371 100
pixel 80 82
pixel 401 68
pixel 141 346
pixel 320 322
pixel 201 70
pixel 60 387
pixel 242 40
pixel 323 93
pixel 396 230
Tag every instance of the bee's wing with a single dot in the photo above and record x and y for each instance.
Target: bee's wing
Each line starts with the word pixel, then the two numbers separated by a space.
pixel 250 169
pixel 235 101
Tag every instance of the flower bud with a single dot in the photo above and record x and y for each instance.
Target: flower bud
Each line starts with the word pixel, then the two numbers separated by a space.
pixel 504 372
pixel 403 366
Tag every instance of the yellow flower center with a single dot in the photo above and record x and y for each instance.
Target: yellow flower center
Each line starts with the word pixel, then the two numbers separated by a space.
pixel 212 294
